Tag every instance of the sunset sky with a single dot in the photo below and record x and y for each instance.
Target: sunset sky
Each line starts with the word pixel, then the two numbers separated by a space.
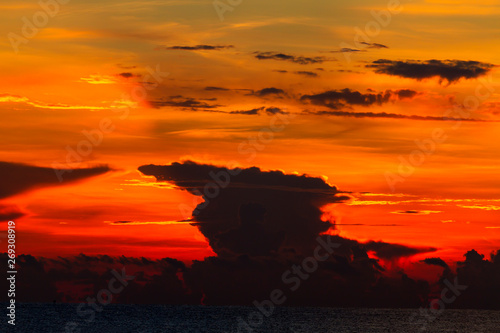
pixel 349 92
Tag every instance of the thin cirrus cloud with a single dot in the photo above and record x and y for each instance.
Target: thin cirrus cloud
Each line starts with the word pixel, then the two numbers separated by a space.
pixel 202 47
pixel 17 178
pixel 416 212
pixel 446 70
pixel 8 98
pixel 367 46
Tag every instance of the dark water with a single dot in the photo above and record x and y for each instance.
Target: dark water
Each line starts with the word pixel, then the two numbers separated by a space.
pixel 41 318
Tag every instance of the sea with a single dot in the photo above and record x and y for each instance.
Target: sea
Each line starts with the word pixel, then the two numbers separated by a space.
pixel 64 318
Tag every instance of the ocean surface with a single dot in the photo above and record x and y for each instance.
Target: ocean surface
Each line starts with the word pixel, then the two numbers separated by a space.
pixel 41 318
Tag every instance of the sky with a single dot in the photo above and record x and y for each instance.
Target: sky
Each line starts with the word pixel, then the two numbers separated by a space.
pixel 392 104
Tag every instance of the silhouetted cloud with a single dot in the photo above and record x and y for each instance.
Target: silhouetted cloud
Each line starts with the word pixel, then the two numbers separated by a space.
pixel 255 207
pixel 292 58
pixel 257 111
pixel 375 45
pixel 416 212
pixel 347 50
pixel 184 102
pixel 389 116
pixel 449 70
pixel 436 262
pixel 216 89
pixel 128 75
pixel 259 212
pixel 248 112
pixel 390 251
pixel 17 178
pixel 306 73
pixel 269 91
pixel 200 47
pixel 275 110
pixel 345 98
pixel 9 212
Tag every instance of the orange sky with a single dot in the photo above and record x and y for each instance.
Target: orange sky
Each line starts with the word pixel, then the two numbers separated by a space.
pixel 66 79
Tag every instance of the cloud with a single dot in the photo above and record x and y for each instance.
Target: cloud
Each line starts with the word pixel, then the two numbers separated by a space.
pixel 375 45
pixel 17 178
pixel 248 112
pixel 128 75
pixel 436 261
pixel 269 91
pixel 258 211
pixel 10 212
pixel 306 73
pixel 200 47
pixel 8 98
pixel 449 70
pixel 216 89
pixel 257 111
pixel 391 251
pixel 390 116
pixel 347 50
pixel 345 98
pixel 184 102
pixel 275 110
pixel 367 46
pixel 292 58
pixel 416 212
pixel 99 79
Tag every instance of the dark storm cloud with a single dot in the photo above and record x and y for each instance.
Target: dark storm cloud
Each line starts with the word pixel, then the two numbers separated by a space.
pixel 184 102
pixel 354 280
pixel 391 251
pixel 449 70
pixel 292 58
pixel 17 178
pixel 200 47
pixel 10 212
pixel 257 211
pixel 436 262
pixel 388 116
pixel 345 98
